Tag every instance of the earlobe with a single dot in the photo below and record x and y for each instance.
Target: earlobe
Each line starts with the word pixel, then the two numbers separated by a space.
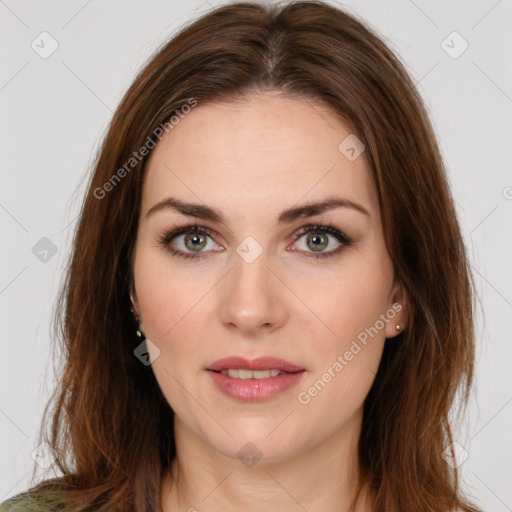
pixel 134 302
pixel 397 311
pixel 136 314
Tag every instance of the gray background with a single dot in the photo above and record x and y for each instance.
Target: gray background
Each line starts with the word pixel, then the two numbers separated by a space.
pixel 55 110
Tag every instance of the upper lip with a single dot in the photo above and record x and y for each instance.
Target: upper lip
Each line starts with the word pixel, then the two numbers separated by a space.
pixel 260 363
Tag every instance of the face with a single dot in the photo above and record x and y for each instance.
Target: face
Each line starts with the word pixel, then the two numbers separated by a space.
pixel 251 282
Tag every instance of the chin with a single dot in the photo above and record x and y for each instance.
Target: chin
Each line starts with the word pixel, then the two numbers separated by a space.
pixel 260 439
pixel 251 451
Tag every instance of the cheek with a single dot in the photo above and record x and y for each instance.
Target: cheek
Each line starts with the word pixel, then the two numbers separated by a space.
pixel 351 300
pixel 165 293
pixel 351 306
pixel 172 308
pixel 344 361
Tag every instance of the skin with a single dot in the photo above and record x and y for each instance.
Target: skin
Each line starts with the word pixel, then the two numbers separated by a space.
pixel 251 160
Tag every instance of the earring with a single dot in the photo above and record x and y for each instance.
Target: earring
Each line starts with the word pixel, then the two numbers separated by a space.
pixel 138 332
pixel 137 319
pixel 398 327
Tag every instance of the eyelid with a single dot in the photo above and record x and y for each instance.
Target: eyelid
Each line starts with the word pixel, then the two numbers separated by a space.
pixel 168 234
pixel 324 228
pixel 165 238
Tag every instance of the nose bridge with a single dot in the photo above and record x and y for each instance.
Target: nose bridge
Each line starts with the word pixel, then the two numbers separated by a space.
pixel 250 268
pixel 251 297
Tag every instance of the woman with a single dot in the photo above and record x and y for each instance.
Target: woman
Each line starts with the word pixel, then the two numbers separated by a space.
pixel 268 302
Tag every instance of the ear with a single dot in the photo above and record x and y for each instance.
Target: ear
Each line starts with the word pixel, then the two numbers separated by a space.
pixel 397 311
pixel 134 301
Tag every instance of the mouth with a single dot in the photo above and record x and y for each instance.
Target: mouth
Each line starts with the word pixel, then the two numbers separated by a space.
pixel 261 364
pixel 240 373
pixel 256 380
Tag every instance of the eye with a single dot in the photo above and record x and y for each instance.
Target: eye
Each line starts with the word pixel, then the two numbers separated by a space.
pixel 189 238
pixel 318 239
pixel 189 241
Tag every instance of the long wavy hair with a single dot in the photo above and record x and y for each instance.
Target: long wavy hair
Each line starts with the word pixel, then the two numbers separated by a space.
pixel 108 425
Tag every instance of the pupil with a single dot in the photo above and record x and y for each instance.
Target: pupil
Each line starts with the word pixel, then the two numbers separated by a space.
pixel 195 239
pixel 316 238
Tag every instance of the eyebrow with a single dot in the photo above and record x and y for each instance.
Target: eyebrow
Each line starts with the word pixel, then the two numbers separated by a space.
pixel 201 211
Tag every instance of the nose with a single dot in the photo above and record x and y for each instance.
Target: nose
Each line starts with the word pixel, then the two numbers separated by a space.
pixel 253 296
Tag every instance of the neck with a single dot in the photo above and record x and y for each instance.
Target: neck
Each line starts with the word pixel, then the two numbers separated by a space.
pixel 321 477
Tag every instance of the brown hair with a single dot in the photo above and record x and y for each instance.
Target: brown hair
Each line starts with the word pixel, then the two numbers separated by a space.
pixel 112 429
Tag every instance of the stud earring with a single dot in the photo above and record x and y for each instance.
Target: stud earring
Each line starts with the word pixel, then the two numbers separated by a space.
pixel 398 327
pixel 138 320
pixel 138 332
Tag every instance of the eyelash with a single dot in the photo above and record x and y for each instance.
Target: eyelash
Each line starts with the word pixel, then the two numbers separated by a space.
pixel 165 238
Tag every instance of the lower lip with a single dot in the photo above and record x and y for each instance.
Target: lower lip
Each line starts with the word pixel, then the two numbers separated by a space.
pixel 255 390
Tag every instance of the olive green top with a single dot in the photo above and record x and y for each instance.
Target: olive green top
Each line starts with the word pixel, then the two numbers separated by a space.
pixel 24 503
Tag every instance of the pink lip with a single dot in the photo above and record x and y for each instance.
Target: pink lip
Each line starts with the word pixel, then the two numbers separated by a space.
pixel 261 363
pixel 255 390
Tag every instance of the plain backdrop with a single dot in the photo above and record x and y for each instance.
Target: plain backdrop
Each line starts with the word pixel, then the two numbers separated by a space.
pixel 64 68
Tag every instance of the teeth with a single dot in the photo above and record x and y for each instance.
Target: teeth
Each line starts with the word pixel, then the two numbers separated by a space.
pixel 249 374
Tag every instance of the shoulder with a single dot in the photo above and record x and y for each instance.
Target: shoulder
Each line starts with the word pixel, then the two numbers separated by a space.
pixel 17 503
pixel 24 503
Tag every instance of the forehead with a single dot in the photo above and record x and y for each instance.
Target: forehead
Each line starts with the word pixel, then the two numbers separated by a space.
pixel 264 150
